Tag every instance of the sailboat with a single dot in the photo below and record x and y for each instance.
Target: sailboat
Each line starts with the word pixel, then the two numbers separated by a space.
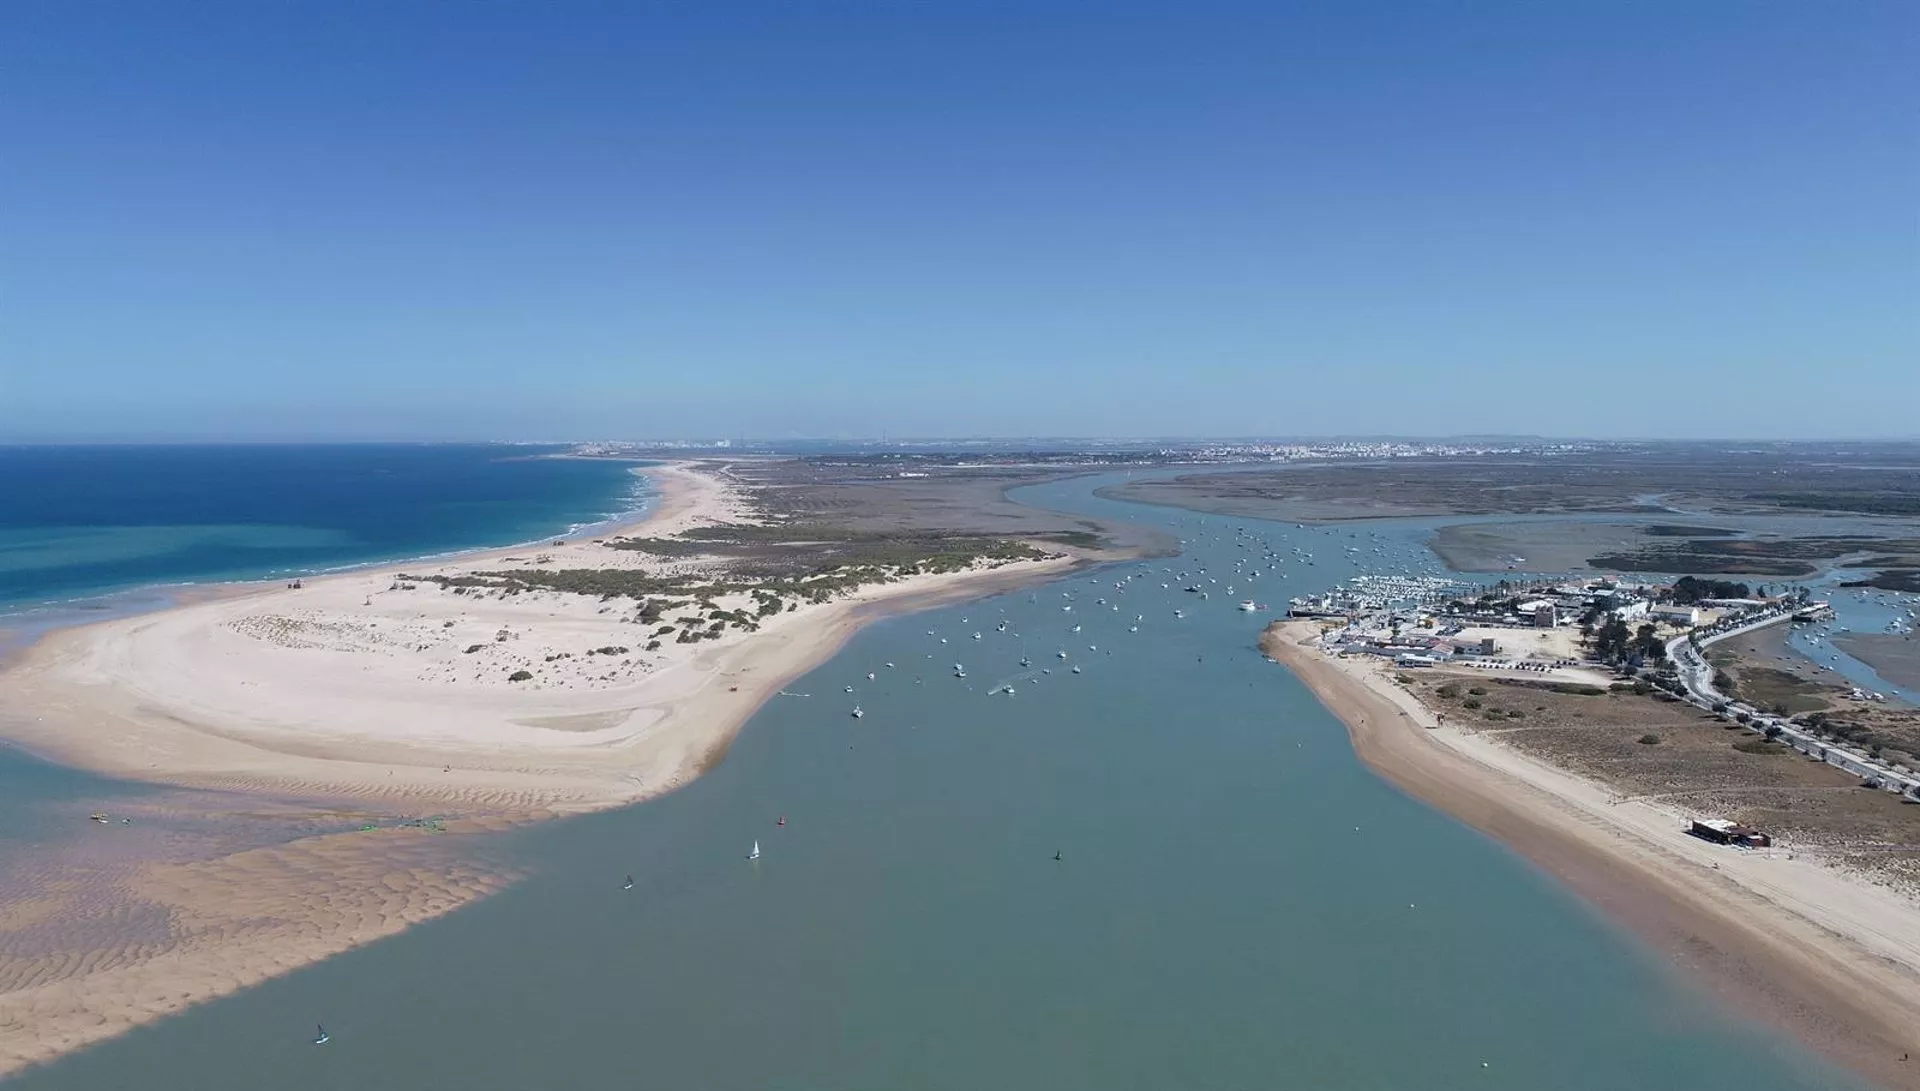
pixel 857 713
pixel 755 854
pixel 320 1035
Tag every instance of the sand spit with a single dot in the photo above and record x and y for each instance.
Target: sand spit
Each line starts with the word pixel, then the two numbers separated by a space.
pixel 390 694
pixel 378 685
pixel 1834 959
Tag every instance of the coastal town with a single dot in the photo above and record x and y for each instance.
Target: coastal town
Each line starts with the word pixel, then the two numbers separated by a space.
pixel 1610 634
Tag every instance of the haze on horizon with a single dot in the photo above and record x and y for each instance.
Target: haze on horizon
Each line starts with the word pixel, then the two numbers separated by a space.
pixel 243 222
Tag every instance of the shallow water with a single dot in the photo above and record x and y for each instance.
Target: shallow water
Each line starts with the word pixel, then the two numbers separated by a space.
pixel 1238 902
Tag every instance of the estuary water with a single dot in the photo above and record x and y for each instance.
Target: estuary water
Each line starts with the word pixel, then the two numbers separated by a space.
pixel 1165 871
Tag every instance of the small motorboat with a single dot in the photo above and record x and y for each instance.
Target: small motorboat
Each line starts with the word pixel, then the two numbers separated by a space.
pixel 320 1035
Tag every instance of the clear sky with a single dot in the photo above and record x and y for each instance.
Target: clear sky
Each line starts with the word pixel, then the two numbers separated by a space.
pixel 307 219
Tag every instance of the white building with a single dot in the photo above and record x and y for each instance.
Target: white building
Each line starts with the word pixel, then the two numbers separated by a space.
pixel 1627 611
pixel 1676 615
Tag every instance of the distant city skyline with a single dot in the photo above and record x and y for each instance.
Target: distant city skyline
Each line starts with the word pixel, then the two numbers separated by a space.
pixel 1222 220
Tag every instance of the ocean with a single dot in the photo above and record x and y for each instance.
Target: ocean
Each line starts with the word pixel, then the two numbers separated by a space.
pixel 79 523
pixel 1236 902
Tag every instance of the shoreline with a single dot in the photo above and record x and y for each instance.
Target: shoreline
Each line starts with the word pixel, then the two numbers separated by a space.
pixel 1833 961
pixel 194 698
pixel 31 622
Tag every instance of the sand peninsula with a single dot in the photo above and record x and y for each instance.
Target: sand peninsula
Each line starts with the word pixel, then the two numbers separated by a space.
pixel 1816 950
pixel 486 689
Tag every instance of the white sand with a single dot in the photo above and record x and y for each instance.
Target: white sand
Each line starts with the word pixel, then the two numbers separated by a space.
pixel 353 686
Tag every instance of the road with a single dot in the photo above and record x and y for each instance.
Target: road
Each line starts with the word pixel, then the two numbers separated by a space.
pixel 1696 674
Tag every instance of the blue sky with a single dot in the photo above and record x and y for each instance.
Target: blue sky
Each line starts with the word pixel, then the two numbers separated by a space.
pixel 608 220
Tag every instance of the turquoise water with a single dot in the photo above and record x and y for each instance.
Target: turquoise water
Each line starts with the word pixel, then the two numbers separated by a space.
pixel 1239 904
pixel 80 522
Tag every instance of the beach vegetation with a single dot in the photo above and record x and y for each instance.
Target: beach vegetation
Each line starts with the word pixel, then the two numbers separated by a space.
pixel 1649 739
pixel 520 675
pixel 1471 702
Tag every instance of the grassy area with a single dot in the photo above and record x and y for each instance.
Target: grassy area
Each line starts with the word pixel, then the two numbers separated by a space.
pixel 778 567
pixel 1690 759
pixel 800 551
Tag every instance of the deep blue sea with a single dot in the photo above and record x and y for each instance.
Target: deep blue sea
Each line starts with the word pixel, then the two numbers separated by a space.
pixel 84 522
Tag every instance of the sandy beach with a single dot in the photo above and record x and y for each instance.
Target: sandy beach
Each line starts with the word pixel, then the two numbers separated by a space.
pixel 1816 951
pixel 379 690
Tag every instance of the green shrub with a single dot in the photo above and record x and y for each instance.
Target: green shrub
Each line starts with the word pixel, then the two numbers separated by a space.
pixel 1649 739
pixel 520 675
pixel 1471 702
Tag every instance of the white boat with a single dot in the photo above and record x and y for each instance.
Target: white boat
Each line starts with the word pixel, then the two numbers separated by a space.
pixel 320 1035
pixel 1248 606
pixel 755 853
pixel 959 671
pixel 1076 669
pixel 857 713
